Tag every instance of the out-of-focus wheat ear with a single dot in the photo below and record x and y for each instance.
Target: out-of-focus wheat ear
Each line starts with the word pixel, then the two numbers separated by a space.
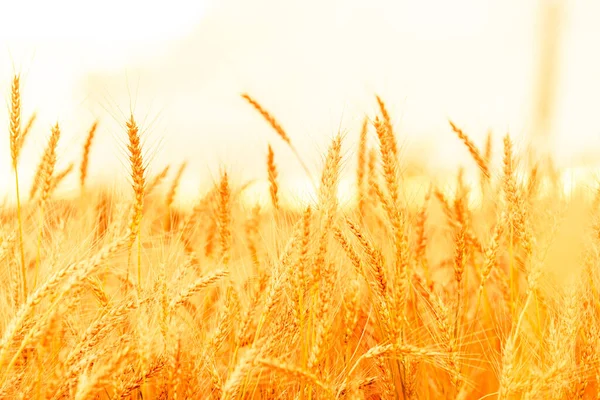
pixel 379 281
pixel 60 176
pixel 104 374
pixel 25 132
pixel 49 164
pixel 252 229
pixel 164 303
pixel 460 261
pixel 511 205
pixel 269 118
pixel 175 371
pixel 351 308
pixel 533 182
pixel 157 180
pixel 489 261
pixel 372 176
pixel 481 161
pixel 389 131
pixel 389 163
pixel 297 373
pixel 328 204
pixel 277 128
pixel 211 232
pixel 47 179
pixel 103 209
pixel 15 132
pixel 233 387
pixel 421 241
pixel 227 321
pixel 350 251
pixel 331 175
pixel 128 387
pixel 362 167
pixel 85 160
pixel 272 174
pixel 484 181
pixel 507 379
pixel 170 198
pixel 245 334
pixel 37 179
pixel 195 287
pixel 224 218
pixel 138 174
pixel 510 189
pixel 488 147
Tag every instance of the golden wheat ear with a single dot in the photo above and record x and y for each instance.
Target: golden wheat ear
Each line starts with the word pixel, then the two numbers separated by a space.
pixel 157 180
pixel 272 174
pixel 361 169
pixel 49 164
pixel 482 161
pixel 85 159
pixel 170 198
pixel 278 129
pixel 224 218
pixel 138 174
pixel 25 132
pixel 15 148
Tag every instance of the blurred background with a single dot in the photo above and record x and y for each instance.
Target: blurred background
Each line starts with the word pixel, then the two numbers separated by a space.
pixel 527 67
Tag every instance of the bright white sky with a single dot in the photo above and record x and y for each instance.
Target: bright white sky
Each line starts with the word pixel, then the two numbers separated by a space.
pixel 315 63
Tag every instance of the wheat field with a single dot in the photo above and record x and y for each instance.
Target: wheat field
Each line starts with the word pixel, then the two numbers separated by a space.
pixel 486 290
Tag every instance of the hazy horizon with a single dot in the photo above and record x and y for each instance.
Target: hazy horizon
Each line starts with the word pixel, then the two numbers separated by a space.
pixel 316 65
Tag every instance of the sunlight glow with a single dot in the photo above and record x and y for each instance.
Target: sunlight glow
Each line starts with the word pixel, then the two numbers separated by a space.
pixel 315 65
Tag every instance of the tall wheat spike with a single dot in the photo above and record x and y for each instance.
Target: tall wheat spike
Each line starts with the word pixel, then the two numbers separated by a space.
pixel 15 140
pixel 138 175
pixel 46 178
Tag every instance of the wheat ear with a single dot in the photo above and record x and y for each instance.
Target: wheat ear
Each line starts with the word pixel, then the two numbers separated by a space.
pixel 138 174
pixel 15 141
pixel 85 160
pixel 278 129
